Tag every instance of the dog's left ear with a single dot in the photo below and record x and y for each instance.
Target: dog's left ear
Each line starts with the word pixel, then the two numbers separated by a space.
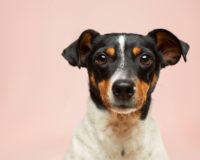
pixel 170 46
pixel 77 52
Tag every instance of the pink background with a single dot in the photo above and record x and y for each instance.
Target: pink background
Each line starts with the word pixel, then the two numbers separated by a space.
pixel 42 98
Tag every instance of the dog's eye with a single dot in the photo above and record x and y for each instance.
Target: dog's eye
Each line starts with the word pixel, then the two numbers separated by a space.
pixel 146 60
pixel 101 59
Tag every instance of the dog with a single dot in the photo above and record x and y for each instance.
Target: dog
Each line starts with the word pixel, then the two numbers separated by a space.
pixel 123 70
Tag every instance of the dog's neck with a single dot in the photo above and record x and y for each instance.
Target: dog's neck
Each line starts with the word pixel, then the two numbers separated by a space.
pixel 121 125
pixel 115 133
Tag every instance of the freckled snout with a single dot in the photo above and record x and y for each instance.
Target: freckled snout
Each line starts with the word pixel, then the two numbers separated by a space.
pixel 123 89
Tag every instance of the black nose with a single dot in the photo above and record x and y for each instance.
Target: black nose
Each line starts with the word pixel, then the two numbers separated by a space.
pixel 123 89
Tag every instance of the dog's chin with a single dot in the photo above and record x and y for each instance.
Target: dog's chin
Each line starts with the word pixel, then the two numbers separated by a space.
pixel 122 110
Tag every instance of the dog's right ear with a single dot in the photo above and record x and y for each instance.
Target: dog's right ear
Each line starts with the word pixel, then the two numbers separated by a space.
pixel 77 52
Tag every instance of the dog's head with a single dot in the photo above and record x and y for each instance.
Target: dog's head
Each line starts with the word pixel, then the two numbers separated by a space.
pixel 123 68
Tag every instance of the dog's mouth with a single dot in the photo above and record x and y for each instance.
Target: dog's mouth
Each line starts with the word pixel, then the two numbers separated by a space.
pixel 122 109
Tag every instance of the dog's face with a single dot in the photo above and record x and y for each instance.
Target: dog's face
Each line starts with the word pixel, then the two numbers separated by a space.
pixel 124 68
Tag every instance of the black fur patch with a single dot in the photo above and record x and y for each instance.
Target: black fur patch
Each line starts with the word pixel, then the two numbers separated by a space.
pixel 160 45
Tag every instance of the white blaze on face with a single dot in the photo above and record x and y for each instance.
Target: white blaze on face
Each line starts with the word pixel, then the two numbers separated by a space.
pixel 121 41
pixel 119 73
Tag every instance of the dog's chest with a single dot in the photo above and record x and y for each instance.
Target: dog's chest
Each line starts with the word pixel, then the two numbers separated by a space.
pixel 122 138
pixel 102 136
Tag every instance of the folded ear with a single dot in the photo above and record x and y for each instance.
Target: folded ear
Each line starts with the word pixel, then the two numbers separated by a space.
pixel 77 52
pixel 169 45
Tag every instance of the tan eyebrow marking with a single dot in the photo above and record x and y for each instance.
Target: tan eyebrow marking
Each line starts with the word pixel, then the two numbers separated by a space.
pixel 110 51
pixel 136 51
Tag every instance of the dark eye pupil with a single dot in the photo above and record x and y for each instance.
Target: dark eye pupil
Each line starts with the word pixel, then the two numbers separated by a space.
pixel 101 59
pixel 146 60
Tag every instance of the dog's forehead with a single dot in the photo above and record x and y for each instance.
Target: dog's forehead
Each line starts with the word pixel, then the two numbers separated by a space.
pixel 113 39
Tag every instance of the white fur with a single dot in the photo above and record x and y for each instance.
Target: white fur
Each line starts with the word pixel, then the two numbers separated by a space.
pixel 120 72
pixel 122 40
pixel 96 140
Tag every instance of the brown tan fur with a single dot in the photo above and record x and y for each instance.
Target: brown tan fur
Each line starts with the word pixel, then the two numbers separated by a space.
pixel 154 81
pixel 141 93
pixel 103 87
pixel 110 52
pixel 85 42
pixel 121 124
pixel 92 80
pixel 136 51
pixel 172 52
